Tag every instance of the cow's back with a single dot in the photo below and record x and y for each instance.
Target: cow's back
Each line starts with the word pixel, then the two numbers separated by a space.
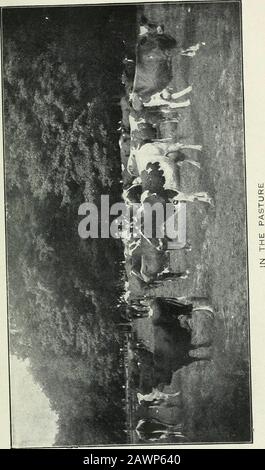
pixel 155 153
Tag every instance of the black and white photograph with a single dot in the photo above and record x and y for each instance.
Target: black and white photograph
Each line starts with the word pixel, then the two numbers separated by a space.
pixel 126 224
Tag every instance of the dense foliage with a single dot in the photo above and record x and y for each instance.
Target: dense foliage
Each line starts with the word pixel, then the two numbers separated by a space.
pixel 62 71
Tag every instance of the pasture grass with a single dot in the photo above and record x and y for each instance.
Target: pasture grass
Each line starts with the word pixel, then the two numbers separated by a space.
pixel 216 397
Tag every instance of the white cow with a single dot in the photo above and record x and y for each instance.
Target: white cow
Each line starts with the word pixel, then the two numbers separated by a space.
pixel 164 153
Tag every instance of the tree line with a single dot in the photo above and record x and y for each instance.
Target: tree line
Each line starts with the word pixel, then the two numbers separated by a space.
pixel 62 69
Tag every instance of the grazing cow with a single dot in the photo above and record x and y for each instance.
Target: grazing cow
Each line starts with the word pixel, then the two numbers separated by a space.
pixel 172 339
pixel 173 346
pixel 154 264
pixel 150 187
pixel 153 64
pixel 147 258
pixel 149 265
pixel 150 194
pixel 153 71
pixel 142 280
pixel 146 255
pixel 165 157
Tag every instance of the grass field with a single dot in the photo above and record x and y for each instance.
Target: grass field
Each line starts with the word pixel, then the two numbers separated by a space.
pixel 216 399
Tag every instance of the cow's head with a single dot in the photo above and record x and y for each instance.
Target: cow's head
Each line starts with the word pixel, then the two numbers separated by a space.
pixel 147 27
pixel 155 30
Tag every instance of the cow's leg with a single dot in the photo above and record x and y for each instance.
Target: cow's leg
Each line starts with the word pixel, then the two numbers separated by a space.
pixel 205 308
pixel 171 276
pixel 162 140
pixel 206 344
pixel 191 162
pixel 199 301
pixel 178 246
pixel 198 358
pixel 175 96
pixel 202 352
pixel 184 197
pixel 168 96
pixel 180 300
pixel 180 158
pixel 195 302
pixel 166 396
pixel 180 104
pixel 204 197
pixel 163 395
pixel 175 429
pixel 191 51
pixel 176 146
pixel 158 100
pixel 174 155
pixel 165 111
pixel 187 247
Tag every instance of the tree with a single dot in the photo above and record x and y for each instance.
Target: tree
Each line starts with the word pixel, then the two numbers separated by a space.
pixel 61 148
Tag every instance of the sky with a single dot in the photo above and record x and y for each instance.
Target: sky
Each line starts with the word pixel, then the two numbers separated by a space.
pixel 33 420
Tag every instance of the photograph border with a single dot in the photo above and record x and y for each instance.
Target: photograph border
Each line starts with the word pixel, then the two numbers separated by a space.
pixel 248 205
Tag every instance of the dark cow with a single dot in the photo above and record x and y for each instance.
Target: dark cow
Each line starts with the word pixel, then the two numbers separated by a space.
pixel 153 64
pixel 173 338
pixel 153 71
pixel 173 345
pixel 148 265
